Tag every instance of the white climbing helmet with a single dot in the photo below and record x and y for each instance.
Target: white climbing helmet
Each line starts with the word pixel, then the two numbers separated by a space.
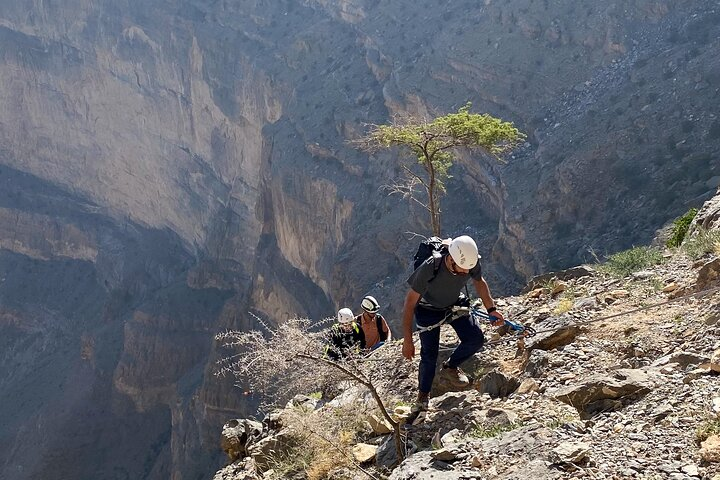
pixel 345 315
pixel 369 304
pixel 464 252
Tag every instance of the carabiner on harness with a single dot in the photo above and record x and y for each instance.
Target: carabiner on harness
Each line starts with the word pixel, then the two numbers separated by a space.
pixel 446 319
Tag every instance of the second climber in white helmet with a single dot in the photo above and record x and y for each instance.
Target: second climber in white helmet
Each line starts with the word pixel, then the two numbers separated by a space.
pixel 435 286
pixel 374 327
pixel 345 337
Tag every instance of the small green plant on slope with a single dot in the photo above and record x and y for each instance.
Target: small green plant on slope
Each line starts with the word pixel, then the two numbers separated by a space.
pixel 286 464
pixel 566 302
pixel 549 285
pixel 432 143
pixel 704 242
pixel 559 421
pixel 493 431
pixel 680 229
pixel 707 429
pixel 624 263
pixel 564 305
pixel 656 284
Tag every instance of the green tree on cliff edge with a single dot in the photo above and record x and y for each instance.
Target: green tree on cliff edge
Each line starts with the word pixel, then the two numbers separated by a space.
pixel 433 144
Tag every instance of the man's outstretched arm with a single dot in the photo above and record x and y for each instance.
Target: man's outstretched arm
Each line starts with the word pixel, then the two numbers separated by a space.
pixel 483 292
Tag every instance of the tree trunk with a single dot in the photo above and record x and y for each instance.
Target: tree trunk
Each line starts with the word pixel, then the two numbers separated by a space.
pixel 433 204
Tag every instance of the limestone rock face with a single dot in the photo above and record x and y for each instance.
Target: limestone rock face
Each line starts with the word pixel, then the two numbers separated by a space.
pixel 237 435
pixel 168 167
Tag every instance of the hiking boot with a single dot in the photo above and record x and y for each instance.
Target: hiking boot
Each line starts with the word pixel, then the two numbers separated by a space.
pixel 456 376
pixel 417 413
pixel 419 406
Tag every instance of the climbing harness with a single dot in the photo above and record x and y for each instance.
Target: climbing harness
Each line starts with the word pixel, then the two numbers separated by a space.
pixel 446 319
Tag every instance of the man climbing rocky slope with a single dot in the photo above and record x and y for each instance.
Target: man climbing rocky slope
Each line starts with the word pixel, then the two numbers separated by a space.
pixel 622 380
pixel 166 167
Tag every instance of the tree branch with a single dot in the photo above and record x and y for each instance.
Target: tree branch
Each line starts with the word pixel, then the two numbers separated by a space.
pixel 406 192
pixel 355 376
pixel 360 379
pixel 414 175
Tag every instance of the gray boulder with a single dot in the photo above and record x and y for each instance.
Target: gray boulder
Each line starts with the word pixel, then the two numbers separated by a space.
pixel 237 435
pixel 264 449
pixel 497 385
pixel 304 402
pixel 386 455
pixel 537 363
pixel 425 466
pixel 621 384
pixel 683 359
pixel 708 217
pixel 561 331
pixel 570 452
pixel 708 274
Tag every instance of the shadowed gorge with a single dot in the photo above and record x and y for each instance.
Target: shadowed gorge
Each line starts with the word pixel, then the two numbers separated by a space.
pixel 168 167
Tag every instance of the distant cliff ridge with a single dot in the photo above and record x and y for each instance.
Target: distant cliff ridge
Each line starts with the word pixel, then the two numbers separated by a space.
pixel 166 168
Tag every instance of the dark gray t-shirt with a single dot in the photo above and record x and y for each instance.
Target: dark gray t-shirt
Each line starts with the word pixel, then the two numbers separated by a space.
pixel 443 290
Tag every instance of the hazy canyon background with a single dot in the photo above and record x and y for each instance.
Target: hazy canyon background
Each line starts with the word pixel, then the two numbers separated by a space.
pixel 168 166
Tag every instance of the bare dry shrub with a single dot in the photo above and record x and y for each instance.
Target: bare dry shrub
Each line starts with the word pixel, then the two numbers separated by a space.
pixel 328 435
pixel 269 363
pixel 289 463
pixel 289 359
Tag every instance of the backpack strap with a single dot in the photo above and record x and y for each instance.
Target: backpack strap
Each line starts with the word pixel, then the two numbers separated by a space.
pixel 359 334
pixel 379 322
pixel 437 259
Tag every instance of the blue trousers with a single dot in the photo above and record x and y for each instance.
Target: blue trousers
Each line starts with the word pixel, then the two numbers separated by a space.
pixel 467 330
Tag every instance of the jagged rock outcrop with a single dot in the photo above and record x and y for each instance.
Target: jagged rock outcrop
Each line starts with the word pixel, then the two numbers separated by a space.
pixel 567 274
pixel 168 167
pixel 710 449
pixel 708 274
pixel 237 435
pixel 707 217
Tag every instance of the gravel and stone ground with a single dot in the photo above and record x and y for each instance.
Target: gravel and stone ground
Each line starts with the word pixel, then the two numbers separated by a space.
pixel 633 396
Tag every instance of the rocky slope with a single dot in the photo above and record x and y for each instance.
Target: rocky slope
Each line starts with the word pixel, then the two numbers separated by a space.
pixel 622 380
pixel 167 167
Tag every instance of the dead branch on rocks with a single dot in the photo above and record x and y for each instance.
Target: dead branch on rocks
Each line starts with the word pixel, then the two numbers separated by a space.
pixel 290 359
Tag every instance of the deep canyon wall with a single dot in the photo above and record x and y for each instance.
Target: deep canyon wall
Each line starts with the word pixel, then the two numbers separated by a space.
pixel 168 167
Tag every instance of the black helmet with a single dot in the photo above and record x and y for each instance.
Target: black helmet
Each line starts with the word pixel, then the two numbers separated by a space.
pixel 369 304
